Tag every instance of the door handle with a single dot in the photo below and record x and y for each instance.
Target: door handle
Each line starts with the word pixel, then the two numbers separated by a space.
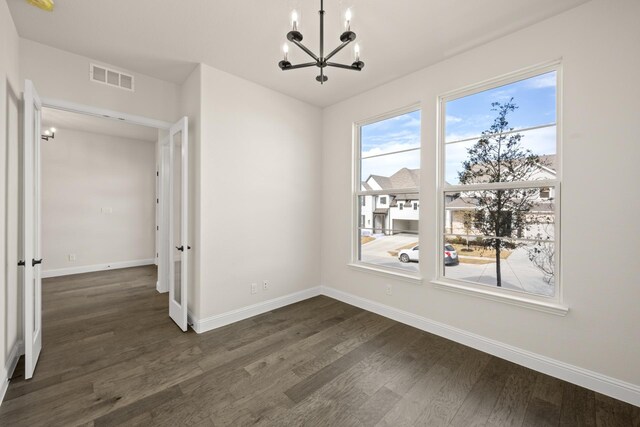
pixel 181 248
pixel 34 262
pixel 21 263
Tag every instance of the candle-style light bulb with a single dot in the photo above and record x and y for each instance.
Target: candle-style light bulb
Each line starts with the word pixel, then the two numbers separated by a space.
pixel 347 17
pixel 285 50
pixel 294 20
pixel 47 132
pixel 53 130
pixel 356 51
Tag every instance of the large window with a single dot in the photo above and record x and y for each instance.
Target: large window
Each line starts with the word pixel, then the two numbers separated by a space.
pixel 499 185
pixel 387 164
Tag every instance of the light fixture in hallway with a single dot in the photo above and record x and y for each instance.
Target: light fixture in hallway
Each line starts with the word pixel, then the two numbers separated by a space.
pixel 49 134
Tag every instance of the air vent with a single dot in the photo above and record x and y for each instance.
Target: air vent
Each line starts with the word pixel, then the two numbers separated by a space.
pixel 104 75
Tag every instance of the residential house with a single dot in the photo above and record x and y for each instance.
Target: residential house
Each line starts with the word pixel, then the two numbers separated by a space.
pixel 539 219
pixel 393 212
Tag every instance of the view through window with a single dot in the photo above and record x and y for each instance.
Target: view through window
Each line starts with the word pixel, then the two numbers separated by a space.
pixel 500 186
pixel 389 165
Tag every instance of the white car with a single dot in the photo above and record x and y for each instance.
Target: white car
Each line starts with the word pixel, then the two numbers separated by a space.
pixel 407 255
pixel 413 254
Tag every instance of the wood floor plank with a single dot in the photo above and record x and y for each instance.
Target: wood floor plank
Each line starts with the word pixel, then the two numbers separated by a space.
pixel 511 406
pixel 578 406
pixel 447 401
pixel 480 401
pixel 112 356
pixel 545 404
pixel 314 382
pixel 139 407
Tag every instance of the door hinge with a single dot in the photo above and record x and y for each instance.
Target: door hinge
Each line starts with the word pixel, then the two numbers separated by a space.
pixel 157 173
pixel 157 200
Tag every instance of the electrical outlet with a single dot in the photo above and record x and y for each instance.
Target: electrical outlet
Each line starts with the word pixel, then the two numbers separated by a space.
pixel 72 257
pixel 389 290
pixel 254 288
pixel 265 285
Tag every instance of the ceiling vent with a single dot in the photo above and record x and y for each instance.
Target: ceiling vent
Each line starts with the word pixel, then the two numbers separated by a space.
pixel 104 75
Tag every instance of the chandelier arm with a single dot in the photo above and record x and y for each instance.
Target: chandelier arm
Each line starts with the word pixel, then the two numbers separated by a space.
pixel 345 66
pixel 307 51
pixel 304 65
pixel 336 50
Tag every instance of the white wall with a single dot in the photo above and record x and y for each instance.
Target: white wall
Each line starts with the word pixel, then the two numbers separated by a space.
pixel 259 190
pixel 63 75
pixel 83 173
pixel 191 106
pixel 598 43
pixel 10 323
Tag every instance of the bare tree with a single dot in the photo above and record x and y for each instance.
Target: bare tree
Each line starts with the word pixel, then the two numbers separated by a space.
pixel 467 223
pixel 498 156
pixel 542 254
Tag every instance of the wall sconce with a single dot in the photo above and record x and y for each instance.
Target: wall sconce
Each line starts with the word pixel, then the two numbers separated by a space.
pixel 49 134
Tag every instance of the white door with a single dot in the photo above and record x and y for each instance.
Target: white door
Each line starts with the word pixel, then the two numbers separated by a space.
pixel 32 283
pixel 164 197
pixel 178 222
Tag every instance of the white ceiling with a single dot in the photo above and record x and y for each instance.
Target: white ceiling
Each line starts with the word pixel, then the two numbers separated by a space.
pixel 62 120
pixel 166 38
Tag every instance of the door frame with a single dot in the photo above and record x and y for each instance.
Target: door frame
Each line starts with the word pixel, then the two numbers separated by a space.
pixel 161 168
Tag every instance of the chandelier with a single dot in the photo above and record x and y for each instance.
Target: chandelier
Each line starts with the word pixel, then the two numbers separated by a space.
pixel 321 61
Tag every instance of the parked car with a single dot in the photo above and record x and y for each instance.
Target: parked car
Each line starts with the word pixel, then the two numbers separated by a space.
pixel 407 255
pixel 413 254
pixel 450 255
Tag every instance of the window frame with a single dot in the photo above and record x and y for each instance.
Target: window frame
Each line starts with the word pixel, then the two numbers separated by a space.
pixel 356 192
pixel 551 304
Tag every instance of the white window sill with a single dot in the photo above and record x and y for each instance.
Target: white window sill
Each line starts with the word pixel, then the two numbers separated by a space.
pixel 416 280
pixel 546 307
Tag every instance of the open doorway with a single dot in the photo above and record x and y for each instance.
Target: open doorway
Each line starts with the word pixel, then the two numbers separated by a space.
pixel 98 194
pixel 74 193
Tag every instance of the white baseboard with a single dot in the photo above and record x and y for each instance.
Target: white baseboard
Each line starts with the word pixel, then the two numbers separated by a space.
pixel 615 388
pixel 214 322
pixel 7 370
pixel 96 267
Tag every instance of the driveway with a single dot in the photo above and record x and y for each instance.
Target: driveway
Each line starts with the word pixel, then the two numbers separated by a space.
pixel 377 251
pixel 518 273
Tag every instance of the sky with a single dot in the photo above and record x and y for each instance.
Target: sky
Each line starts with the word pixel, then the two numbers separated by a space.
pixel 465 118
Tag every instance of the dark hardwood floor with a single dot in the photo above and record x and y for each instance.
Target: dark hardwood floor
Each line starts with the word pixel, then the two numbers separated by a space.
pixel 112 356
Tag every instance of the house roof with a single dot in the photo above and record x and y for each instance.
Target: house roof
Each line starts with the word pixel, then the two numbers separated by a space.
pixel 462 203
pixel 548 162
pixel 404 178
pixel 410 178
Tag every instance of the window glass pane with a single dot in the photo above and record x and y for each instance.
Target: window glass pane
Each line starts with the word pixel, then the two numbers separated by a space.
pixel 482 141
pixel 389 162
pixel 391 171
pixel 518 265
pixel 535 99
pixel 387 232
pixel 389 248
pixel 391 135
pixel 515 213
pixel 533 157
